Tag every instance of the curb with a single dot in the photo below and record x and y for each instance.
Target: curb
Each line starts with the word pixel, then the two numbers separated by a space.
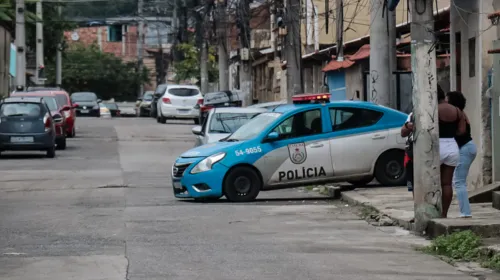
pixel 352 198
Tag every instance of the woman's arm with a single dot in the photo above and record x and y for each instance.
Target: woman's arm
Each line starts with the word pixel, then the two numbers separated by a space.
pixel 461 123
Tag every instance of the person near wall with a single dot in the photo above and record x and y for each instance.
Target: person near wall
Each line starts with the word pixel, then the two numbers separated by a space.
pixel 468 153
pixel 407 131
pixel 451 124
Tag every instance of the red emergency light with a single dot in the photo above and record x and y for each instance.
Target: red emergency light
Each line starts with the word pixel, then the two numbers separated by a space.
pixel 311 98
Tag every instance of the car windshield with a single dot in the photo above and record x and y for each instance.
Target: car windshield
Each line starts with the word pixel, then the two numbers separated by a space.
pixel 83 97
pixel 161 89
pixel 148 96
pixel 51 102
pixel 61 99
pixel 229 122
pixel 255 126
pixel 112 106
pixel 183 92
pixel 21 109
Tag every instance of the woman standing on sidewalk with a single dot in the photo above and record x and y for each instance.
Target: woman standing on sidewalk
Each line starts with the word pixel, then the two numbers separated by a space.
pixel 468 153
pixel 451 124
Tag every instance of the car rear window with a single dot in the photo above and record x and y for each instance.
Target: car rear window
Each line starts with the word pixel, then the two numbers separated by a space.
pixel 21 109
pixel 183 92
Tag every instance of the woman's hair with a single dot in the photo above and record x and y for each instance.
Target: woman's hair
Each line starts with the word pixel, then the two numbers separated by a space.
pixel 456 99
pixel 441 95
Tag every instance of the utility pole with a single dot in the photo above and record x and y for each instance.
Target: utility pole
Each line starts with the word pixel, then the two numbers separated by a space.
pixel 246 65
pixel 222 46
pixel 427 183
pixel 175 31
pixel 20 46
pixel 293 49
pixel 59 55
pixel 393 58
pixel 204 66
pixel 380 77
pixel 160 43
pixel 340 30
pixel 39 43
pixel 140 39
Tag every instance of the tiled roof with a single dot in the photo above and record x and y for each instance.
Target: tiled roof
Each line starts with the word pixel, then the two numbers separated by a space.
pixel 336 65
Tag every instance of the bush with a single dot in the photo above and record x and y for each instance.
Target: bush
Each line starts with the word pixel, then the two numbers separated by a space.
pixel 462 245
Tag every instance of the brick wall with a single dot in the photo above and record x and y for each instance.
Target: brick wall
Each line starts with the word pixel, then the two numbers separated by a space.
pixel 88 36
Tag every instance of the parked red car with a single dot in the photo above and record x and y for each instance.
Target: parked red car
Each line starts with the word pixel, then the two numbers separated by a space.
pixel 58 111
pixel 63 97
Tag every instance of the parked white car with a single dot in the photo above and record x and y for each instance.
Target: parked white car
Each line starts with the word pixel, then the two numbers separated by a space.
pixel 221 122
pixel 179 102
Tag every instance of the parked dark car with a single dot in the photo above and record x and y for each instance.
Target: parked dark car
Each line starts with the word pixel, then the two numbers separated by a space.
pixel 26 124
pixel 160 90
pixel 113 109
pixel 218 99
pixel 143 104
pixel 88 104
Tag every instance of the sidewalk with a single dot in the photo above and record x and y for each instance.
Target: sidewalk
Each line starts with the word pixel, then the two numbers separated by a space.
pixel 397 204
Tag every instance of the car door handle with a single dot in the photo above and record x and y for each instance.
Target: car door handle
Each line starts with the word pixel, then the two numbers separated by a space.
pixel 318 145
pixel 378 136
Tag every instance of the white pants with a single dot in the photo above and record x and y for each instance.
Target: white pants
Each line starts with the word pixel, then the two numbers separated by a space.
pixel 448 151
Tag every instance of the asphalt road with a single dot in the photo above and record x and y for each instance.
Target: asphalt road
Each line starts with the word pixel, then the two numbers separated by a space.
pixel 104 209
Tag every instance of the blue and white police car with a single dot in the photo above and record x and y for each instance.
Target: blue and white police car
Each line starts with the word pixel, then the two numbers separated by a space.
pixel 297 144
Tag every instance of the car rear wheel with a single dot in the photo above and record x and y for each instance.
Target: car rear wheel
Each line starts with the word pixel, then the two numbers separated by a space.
pixel 61 144
pixel 162 118
pixel 242 184
pixel 389 170
pixel 51 152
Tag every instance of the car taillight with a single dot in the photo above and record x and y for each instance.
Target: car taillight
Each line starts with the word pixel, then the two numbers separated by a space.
pixel 200 102
pixel 166 100
pixel 206 108
pixel 48 122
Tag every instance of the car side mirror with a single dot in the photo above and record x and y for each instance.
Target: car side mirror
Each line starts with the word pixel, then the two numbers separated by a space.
pixel 75 105
pixel 197 130
pixel 65 108
pixel 272 136
pixel 99 100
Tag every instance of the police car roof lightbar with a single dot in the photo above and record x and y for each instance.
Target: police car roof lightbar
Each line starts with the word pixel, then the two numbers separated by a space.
pixel 311 98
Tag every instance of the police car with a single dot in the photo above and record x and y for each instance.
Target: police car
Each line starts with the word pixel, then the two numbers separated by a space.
pixel 311 141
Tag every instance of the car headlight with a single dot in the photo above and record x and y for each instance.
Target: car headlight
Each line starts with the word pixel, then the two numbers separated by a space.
pixel 67 114
pixel 206 164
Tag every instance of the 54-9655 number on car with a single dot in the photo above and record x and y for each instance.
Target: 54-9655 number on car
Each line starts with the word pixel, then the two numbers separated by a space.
pixel 248 151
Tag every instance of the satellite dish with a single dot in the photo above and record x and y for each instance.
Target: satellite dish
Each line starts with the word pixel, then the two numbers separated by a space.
pixel 75 36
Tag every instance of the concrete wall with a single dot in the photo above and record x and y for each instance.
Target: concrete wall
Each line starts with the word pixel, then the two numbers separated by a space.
pixel 5 40
pixel 469 17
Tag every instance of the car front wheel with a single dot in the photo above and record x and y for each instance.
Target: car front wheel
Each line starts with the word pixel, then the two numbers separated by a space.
pixel 61 143
pixel 51 152
pixel 389 170
pixel 242 184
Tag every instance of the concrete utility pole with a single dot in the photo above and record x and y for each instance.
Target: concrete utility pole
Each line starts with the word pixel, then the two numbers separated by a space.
pixel 39 42
pixel 140 42
pixel 427 183
pixel 393 59
pixel 293 49
pixel 59 55
pixel 204 66
pixel 222 46
pixel 340 30
pixel 246 64
pixel 175 30
pixel 20 46
pixel 380 71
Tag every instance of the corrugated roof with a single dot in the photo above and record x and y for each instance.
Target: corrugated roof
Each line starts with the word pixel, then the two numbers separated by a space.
pixel 336 65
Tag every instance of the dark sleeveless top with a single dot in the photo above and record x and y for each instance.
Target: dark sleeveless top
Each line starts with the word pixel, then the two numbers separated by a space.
pixel 448 129
pixel 465 138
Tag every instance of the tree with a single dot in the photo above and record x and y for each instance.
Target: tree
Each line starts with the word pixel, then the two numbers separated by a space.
pixel 53 29
pixel 189 66
pixel 89 69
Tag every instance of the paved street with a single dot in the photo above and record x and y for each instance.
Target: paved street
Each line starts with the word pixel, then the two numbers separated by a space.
pixel 104 209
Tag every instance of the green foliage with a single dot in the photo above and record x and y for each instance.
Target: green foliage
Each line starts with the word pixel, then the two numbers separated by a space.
pixel 189 66
pixel 53 29
pixel 8 12
pixel 462 245
pixel 88 69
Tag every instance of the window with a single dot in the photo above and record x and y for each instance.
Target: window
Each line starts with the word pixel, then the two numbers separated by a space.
pixel 183 92
pixel 301 124
pixel 114 33
pixel 472 57
pixel 229 122
pixel 349 118
pixel 62 99
pixel 255 126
